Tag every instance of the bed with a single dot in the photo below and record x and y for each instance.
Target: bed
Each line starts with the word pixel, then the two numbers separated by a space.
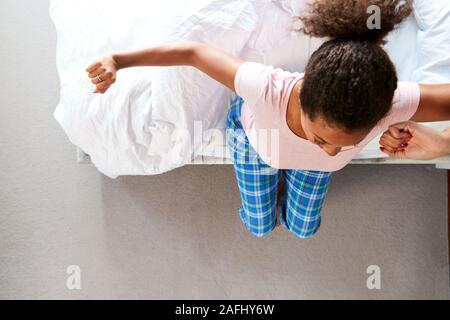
pixel 145 124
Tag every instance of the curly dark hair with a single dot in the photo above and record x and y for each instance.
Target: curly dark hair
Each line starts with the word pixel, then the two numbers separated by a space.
pixel 350 80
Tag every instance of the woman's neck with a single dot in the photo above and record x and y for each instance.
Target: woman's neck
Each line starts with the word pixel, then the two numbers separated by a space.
pixel 293 113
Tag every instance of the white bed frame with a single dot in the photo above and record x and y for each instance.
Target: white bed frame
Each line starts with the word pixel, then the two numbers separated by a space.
pixel 440 163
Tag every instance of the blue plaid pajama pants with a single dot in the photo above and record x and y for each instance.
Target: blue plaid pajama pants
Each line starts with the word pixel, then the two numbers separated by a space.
pixel 305 191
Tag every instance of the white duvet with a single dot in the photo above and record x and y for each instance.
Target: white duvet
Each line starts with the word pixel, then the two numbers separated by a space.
pixel 153 120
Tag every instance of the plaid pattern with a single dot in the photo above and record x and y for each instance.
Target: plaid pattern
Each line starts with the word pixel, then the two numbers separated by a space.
pixel 305 191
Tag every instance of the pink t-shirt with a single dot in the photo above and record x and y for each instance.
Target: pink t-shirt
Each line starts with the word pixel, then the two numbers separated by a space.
pixel 266 91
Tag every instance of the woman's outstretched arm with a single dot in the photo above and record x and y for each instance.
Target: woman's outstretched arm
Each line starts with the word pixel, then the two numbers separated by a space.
pixel 215 62
pixel 434 103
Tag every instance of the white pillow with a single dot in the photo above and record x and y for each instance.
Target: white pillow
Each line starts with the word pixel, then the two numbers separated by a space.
pixel 433 18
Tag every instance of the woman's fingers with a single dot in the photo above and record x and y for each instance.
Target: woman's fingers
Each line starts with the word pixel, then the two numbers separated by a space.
pixel 94 78
pixel 393 153
pixel 93 66
pixel 105 76
pixel 406 126
pixel 388 140
pixel 95 72
pixel 103 86
pixel 387 149
pixel 399 132
pixel 392 146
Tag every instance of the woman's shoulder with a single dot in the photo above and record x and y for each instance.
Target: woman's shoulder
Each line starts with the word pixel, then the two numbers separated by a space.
pixel 259 83
pixel 404 105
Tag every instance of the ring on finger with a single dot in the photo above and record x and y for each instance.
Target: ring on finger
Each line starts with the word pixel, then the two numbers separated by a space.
pixel 99 79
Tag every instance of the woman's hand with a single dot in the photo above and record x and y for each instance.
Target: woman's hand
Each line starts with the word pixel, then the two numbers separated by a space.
pixel 414 141
pixel 102 73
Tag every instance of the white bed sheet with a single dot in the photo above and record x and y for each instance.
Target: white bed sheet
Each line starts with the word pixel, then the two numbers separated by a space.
pixel 145 123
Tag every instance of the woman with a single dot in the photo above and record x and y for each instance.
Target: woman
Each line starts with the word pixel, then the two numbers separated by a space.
pixel 320 119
